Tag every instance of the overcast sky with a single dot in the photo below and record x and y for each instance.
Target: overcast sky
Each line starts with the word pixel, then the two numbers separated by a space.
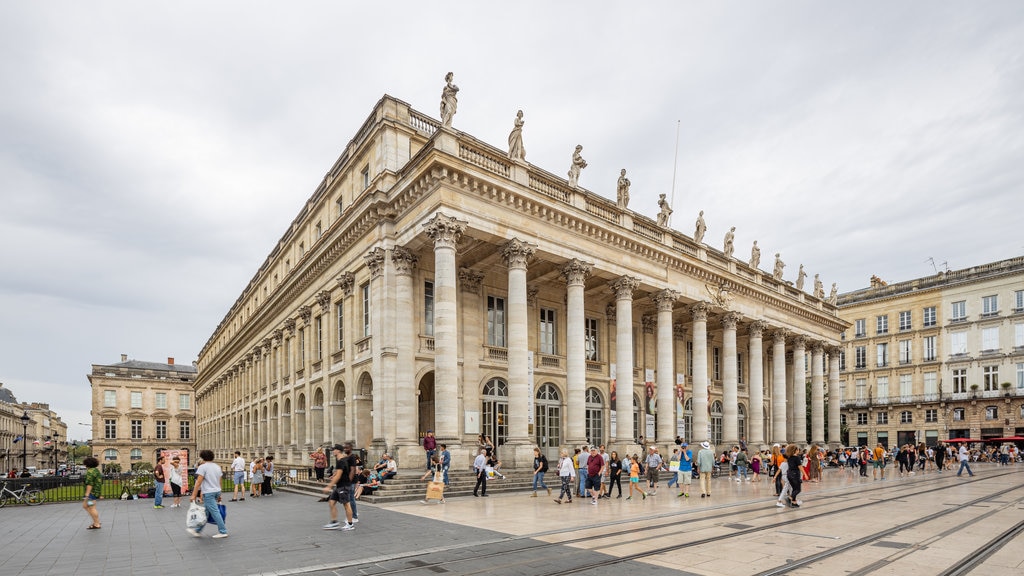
pixel 152 154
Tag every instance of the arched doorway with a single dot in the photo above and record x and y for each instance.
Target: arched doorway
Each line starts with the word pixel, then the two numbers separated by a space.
pixel 364 411
pixel 494 412
pixel 594 417
pixel 286 423
pixel 426 403
pixel 548 422
pixel 338 431
pixel 300 421
pixel 741 422
pixel 716 423
pixel 320 435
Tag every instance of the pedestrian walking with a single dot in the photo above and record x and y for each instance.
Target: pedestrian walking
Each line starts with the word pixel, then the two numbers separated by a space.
pixel 685 473
pixel 567 475
pixel 480 466
pixel 208 476
pixel 340 488
pixel 238 477
pixel 614 474
pixel 964 457
pixel 634 478
pixel 705 464
pixel 540 466
pixel 159 481
pixel 93 488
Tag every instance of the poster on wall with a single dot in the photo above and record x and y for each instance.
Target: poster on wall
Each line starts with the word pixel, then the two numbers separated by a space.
pixel 650 399
pixel 529 401
pixel 680 417
pixel 611 402
pixel 181 453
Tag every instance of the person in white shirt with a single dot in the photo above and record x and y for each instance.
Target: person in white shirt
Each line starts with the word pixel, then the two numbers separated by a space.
pixel 238 476
pixel 964 457
pixel 208 477
pixel 480 467
pixel 566 473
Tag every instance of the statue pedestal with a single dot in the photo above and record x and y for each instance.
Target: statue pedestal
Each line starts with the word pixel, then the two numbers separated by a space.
pixel 702 253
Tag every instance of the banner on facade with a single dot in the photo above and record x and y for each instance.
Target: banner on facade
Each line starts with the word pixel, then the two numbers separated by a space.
pixel 680 417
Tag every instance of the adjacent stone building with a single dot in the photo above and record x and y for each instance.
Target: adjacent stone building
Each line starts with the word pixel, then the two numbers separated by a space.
pixel 936 358
pixel 41 442
pixel 139 407
pixel 435 282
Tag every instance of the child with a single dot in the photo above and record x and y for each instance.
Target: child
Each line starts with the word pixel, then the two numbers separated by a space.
pixel 634 478
pixel 780 476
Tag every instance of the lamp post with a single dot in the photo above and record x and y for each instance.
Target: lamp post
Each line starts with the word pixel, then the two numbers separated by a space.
pixel 56 451
pixel 24 441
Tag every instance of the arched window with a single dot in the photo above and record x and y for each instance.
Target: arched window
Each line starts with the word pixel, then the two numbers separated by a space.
pixel 136 454
pixel 716 422
pixel 549 417
pixel 495 411
pixel 594 416
pixel 741 421
pixel 991 412
pixel 110 454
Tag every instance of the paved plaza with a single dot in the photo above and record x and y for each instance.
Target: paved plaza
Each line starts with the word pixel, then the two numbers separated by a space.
pixel 282 534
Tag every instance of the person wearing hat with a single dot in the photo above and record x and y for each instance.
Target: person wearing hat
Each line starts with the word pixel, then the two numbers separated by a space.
pixel 684 477
pixel 430 446
pixel 705 463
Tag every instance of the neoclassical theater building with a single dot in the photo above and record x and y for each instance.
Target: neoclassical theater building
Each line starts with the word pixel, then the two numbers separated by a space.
pixel 435 282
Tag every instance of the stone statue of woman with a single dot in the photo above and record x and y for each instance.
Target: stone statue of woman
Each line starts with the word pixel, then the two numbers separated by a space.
pixel 665 212
pixel 448 100
pixel 755 256
pixel 698 234
pixel 833 297
pixel 730 236
pixel 578 163
pixel 779 265
pixel 800 276
pixel 819 290
pixel 515 139
pixel 622 190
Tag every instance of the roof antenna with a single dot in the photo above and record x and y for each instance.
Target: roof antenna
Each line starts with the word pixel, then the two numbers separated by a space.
pixel 675 163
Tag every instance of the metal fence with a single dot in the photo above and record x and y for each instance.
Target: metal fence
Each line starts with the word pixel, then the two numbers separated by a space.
pixel 115 486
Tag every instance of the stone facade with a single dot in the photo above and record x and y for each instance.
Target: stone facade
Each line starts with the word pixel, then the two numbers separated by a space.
pixel 432 283
pixel 45 436
pixel 930 359
pixel 139 407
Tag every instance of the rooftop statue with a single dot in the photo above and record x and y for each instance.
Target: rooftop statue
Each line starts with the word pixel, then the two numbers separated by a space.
pixel 698 234
pixel 833 297
pixel 622 190
pixel 448 100
pixel 779 265
pixel 665 211
pixel 515 139
pixel 819 290
pixel 755 256
pixel 800 276
pixel 578 163
pixel 729 237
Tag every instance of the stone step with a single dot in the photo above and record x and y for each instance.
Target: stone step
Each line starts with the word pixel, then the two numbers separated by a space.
pixel 407 487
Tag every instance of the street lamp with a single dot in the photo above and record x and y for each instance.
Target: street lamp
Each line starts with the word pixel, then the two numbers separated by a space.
pixel 56 451
pixel 24 441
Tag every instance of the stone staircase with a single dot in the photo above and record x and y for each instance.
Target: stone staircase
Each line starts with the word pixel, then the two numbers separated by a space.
pixel 408 486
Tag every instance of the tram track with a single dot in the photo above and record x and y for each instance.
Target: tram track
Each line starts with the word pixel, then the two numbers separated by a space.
pixel 534 548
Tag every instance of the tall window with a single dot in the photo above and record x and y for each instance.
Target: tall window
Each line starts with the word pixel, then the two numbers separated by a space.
pixel 161 429
pixel 861 353
pixel 495 321
pixel 318 325
pixel 842 359
pixel 931 415
pixel 882 354
pixel 905 323
pixel 110 429
pixel 110 399
pixel 495 411
pixel 990 377
pixel 428 308
pixel 860 328
pixel 882 324
pixel 959 311
pixel 861 384
pixel 1020 374
pixel 959 380
pixel 594 415
pixel 716 422
pixel 990 305
pixel 548 412
pixel 716 363
pixel 364 290
pixel 991 413
pixel 958 343
pixel 929 317
pixel 906 357
pixel 339 311
pixel 689 359
pixel 1018 335
pixel 906 417
pixel 547 331
pixel 136 399
pixel 739 367
pixel 862 418
pixel 882 418
pixel 883 386
pixel 366 176
pixel 160 400
pixel 688 418
pixel 339 207
pixel 990 338
pixel 183 402
pixel 958 414
pixel 906 385
pixel 929 348
pixel 741 420
pixel 302 348
pixel 184 430
pixel 590 335
pixel 1018 301
pixel 931 383
pixel 318 230
pixel 136 429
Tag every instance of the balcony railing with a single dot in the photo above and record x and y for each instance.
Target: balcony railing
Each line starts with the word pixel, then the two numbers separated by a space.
pixel 933 397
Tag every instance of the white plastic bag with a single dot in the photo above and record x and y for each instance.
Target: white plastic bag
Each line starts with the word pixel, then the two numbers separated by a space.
pixel 196 517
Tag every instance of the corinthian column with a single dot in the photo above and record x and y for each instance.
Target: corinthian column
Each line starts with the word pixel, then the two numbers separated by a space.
pixel 730 393
pixel 701 431
pixel 445 231
pixel 623 288
pixel 516 254
pixel 575 273
pixel 666 368
pixel 818 394
pixel 779 386
pixel 755 416
pixel 405 389
pixel 834 399
pixel 800 390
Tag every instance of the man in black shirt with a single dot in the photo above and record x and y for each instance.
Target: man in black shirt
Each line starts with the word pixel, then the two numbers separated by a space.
pixel 340 487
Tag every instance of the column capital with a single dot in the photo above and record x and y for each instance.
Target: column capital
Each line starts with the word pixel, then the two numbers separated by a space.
pixel 800 341
pixel 289 326
pixel 679 331
pixel 323 298
pixel 516 253
pixel 624 287
pixel 470 279
pixel 780 335
pixel 305 312
pixel 257 351
pixel 649 323
pixel 445 231
pixel 833 350
pixel 404 261
pixel 346 281
pixel 729 320
pixel 268 343
pixel 699 311
pixel 817 347
pixel 576 272
pixel 375 260
pixel 757 328
pixel 665 299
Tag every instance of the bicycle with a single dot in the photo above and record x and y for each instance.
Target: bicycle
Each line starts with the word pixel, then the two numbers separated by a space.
pixel 32 497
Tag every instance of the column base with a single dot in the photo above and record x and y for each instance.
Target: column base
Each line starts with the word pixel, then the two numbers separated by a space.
pixel 410 456
pixel 624 449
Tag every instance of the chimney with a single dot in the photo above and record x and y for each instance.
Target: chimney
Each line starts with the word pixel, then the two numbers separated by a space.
pixel 124 357
pixel 170 360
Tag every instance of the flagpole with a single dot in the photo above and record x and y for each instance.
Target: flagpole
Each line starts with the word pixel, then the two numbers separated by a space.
pixel 675 164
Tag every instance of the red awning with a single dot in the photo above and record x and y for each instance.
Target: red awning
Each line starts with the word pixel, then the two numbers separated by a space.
pixel 963 440
pixel 1007 439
